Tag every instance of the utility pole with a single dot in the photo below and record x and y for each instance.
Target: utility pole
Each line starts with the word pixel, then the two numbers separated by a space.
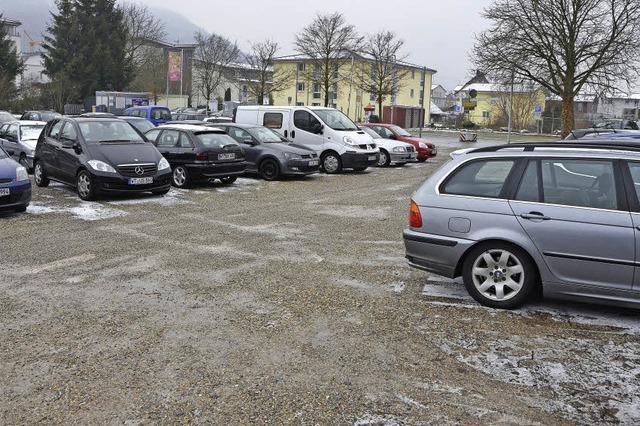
pixel 424 94
pixel 296 88
pixel 510 107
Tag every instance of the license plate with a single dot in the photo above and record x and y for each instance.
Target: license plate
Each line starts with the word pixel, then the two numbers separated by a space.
pixel 372 158
pixel 4 192
pixel 140 181
pixel 314 163
pixel 230 156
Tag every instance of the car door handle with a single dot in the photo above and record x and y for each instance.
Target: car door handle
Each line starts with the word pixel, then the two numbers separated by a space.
pixel 285 133
pixel 293 134
pixel 534 216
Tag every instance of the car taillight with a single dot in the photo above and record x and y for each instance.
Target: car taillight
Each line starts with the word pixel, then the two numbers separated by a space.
pixel 203 156
pixel 415 218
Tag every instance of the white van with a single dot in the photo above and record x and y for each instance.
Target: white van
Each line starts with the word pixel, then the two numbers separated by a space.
pixel 336 139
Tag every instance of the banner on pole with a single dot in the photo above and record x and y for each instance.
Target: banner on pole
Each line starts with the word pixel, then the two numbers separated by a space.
pixel 175 66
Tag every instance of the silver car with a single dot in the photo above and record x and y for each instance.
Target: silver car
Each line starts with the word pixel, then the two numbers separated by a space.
pixel 519 220
pixel 19 139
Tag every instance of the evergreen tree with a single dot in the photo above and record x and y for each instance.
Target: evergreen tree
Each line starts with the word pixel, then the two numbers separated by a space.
pixel 10 64
pixel 87 45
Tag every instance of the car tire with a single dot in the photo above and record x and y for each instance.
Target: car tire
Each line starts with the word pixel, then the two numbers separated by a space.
pixel 40 175
pixel 228 180
pixel 421 160
pixel 385 159
pixel 180 177
pixel 269 169
pixel 331 163
pixel 21 209
pixel 84 186
pixel 359 169
pixel 499 275
pixel 161 191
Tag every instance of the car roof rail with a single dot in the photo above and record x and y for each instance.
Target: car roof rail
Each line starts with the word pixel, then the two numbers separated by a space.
pixel 596 145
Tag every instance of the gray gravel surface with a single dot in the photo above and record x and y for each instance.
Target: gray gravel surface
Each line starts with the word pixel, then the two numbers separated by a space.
pixel 277 303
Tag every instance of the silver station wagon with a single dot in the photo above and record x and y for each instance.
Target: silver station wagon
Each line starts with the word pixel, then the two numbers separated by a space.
pixel 562 219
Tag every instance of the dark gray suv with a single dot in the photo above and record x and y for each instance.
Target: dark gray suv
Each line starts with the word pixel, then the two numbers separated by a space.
pixel 269 154
pixel 517 219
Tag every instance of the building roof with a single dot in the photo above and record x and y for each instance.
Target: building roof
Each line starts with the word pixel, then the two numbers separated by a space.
pixel 10 22
pixel 435 109
pixel 494 88
pixel 348 55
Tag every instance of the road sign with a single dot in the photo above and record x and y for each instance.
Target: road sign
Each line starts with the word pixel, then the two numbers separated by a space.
pixel 457 109
pixel 537 109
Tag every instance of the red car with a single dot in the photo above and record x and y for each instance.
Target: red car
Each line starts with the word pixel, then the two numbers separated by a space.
pixel 424 148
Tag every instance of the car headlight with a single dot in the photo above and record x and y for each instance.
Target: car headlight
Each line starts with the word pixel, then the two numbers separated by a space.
pixel 349 140
pixel 21 174
pixel 163 164
pixel 423 145
pixel 101 166
pixel 398 149
pixel 290 156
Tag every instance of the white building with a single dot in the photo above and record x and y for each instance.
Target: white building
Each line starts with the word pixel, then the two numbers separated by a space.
pixel 625 106
pixel 439 96
pixel 12 29
pixel 34 71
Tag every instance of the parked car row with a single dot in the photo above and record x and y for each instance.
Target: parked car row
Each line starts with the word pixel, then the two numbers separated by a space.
pixel 100 153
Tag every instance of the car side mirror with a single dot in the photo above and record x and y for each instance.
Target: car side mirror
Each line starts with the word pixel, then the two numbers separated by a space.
pixel 318 128
pixel 249 141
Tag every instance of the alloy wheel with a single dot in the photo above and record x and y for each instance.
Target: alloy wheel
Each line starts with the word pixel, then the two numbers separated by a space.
pixel 179 176
pixel 498 275
pixel 383 160
pixel 37 174
pixel 84 185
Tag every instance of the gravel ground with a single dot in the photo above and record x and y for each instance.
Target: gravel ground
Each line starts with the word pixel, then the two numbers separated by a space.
pixel 283 302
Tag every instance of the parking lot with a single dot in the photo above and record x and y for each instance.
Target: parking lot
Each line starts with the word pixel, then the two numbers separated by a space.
pixel 281 302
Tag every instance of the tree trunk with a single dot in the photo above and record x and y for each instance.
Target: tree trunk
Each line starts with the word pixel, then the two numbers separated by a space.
pixel 568 118
pixel 380 108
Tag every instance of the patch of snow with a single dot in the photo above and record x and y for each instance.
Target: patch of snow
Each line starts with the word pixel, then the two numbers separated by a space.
pixel 85 211
pixel 397 287
pixel 379 420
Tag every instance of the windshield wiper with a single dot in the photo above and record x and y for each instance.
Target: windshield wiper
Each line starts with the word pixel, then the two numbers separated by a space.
pixel 115 140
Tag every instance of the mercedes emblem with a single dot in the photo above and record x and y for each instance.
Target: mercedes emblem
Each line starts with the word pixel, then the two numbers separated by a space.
pixel 139 170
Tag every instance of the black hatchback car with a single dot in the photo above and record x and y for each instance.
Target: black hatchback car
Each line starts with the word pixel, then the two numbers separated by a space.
pixel 99 155
pixel 198 153
pixel 270 155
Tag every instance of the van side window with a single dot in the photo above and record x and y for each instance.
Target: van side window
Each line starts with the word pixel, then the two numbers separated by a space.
pixel 484 178
pixel 272 120
pixel 303 120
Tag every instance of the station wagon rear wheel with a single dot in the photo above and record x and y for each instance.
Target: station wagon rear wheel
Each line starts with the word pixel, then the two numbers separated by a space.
pixel 499 275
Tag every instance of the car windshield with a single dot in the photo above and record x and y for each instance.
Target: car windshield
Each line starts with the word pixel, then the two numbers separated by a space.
pixel 400 131
pixel 142 125
pixel 31 132
pixel 109 131
pixel 264 135
pixel 161 114
pixel 48 116
pixel 215 140
pixel 335 119
pixel 5 116
pixel 371 133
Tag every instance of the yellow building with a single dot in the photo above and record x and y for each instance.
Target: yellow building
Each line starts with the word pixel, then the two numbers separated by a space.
pixel 346 94
pixel 492 103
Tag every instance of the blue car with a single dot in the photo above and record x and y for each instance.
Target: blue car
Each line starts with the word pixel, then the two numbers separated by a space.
pixel 155 114
pixel 15 186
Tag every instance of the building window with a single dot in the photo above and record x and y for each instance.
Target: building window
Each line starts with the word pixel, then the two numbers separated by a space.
pixel 301 66
pixel 299 103
pixel 486 114
pixel 315 104
pixel 300 87
pixel 412 93
pixel 413 74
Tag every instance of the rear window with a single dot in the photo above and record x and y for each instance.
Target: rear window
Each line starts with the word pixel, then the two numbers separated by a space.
pixel 161 114
pixel 484 178
pixel 215 140
pixel 48 116
pixel 30 132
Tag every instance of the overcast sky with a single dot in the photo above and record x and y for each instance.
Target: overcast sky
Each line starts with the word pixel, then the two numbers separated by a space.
pixel 437 33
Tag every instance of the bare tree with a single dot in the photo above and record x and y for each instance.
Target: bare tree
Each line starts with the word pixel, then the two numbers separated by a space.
pixel 521 106
pixel 328 42
pixel 143 28
pixel 151 75
pixel 259 75
pixel 384 52
pixel 562 45
pixel 212 59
